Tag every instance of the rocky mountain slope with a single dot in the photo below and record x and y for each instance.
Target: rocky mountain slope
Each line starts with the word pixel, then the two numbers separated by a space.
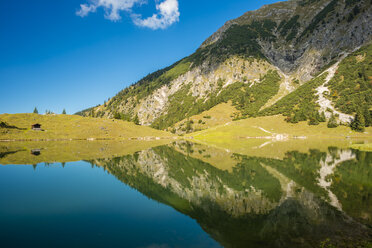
pixel 260 62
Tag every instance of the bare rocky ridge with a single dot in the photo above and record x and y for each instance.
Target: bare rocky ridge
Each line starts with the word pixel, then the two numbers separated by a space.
pixel 305 56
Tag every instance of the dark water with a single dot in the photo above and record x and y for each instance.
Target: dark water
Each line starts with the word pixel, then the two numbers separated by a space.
pixel 188 195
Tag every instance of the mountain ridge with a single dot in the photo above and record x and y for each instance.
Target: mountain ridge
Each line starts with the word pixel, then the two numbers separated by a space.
pixel 266 54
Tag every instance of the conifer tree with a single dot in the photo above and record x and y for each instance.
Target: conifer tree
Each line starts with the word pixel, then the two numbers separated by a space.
pixel 358 123
pixel 136 120
pixel 188 126
pixel 64 111
pixel 313 120
pixel 332 123
pixel 36 111
pixel 322 117
pixel 367 116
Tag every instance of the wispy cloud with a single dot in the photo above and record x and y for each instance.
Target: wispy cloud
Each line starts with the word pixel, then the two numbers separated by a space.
pixel 167 12
pixel 112 7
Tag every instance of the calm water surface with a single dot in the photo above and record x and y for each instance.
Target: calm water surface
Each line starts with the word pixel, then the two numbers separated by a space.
pixel 185 195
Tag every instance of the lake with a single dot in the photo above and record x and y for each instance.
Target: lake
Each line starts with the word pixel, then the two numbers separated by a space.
pixel 253 193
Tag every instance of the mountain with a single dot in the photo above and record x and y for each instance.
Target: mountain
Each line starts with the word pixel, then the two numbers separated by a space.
pixel 309 60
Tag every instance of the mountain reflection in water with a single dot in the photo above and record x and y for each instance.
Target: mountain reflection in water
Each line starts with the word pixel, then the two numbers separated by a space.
pixel 261 202
pixel 312 199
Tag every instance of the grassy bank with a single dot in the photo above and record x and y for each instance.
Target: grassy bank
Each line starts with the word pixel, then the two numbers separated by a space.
pixel 260 136
pixel 363 147
pixel 273 125
pixel 65 127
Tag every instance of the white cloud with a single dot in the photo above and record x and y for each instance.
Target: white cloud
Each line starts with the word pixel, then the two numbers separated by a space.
pixel 167 12
pixel 111 7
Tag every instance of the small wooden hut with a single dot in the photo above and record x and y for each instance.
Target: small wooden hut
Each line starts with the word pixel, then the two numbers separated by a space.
pixel 36 127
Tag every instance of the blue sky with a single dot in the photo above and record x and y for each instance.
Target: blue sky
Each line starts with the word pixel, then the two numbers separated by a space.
pixel 75 54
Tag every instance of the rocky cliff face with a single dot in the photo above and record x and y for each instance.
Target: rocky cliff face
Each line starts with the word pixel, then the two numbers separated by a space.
pixel 201 82
pixel 297 39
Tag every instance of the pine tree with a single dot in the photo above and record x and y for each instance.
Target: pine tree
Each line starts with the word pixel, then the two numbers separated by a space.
pixel 36 111
pixel 358 123
pixel 293 118
pixel 313 121
pixel 188 126
pixel 117 116
pixel 64 111
pixel 367 116
pixel 136 120
pixel 322 117
pixel 332 123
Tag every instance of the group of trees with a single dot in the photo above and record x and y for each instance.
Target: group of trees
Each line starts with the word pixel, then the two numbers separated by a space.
pixel 289 29
pixel 238 40
pixel 362 119
pixel 36 111
pixel 127 117
pixel 300 105
pixel 351 88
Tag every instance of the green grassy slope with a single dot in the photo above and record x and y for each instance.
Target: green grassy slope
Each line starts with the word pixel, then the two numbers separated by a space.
pixel 254 127
pixel 72 127
pixel 218 115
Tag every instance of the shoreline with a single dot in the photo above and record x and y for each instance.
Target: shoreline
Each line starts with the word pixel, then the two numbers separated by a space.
pixel 92 139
